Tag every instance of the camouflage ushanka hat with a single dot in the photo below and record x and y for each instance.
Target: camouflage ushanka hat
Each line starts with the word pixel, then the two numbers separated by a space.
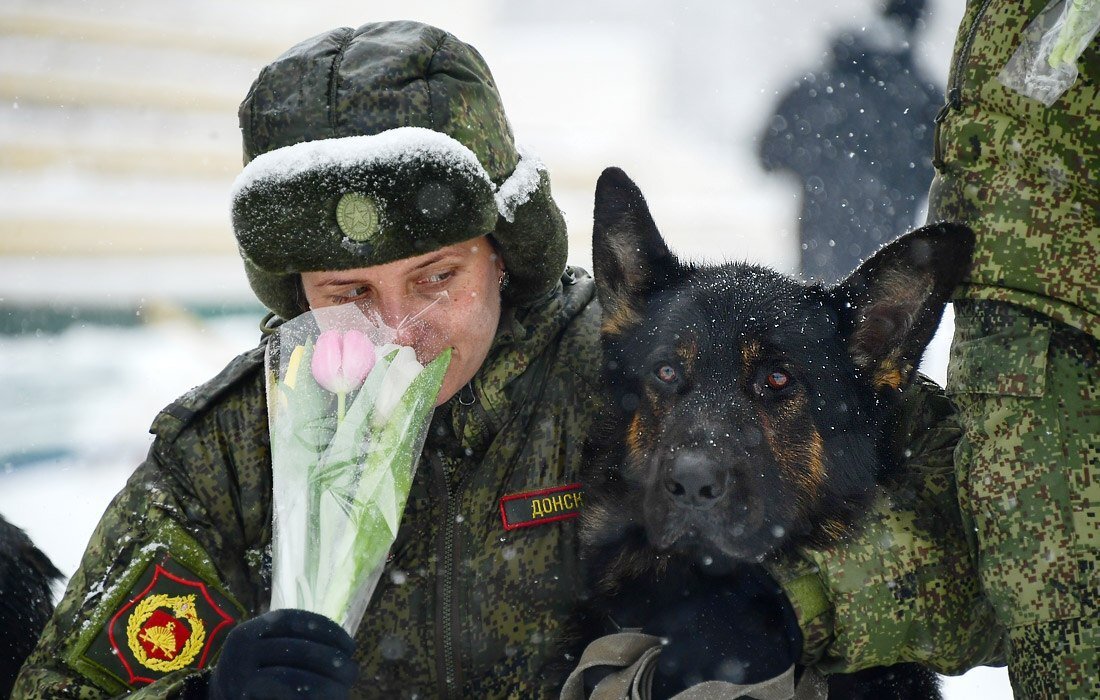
pixel 370 145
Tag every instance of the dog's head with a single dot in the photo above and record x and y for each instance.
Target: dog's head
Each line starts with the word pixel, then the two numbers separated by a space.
pixel 753 404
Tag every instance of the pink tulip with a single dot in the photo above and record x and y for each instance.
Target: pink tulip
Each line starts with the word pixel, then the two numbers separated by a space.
pixel 341 361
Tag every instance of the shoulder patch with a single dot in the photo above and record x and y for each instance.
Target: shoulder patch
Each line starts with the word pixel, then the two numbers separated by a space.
pixel 178 414
pixel 167 614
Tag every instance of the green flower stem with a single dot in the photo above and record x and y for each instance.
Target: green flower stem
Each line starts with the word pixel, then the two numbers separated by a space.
pixel 339 467
pixel 390 462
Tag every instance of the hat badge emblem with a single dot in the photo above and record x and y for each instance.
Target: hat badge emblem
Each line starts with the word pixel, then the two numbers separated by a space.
pixel 357 216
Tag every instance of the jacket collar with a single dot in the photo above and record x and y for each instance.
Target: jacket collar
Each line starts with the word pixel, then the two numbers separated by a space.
pixel 483 407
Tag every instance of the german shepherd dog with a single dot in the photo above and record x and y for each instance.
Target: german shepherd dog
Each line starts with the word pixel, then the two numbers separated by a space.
pixel 748 414
pixel 26 601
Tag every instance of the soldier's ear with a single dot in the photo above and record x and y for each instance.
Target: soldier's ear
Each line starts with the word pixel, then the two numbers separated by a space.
pixel 891 305
pixel 630 259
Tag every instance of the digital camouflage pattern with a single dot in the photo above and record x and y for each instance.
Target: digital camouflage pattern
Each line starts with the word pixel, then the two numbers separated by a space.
pixel 1027 388
pixel 464 608
pixel 904 587
pixel 384 75
pixel 1023 371
pixel 1022 175
pixel 362 82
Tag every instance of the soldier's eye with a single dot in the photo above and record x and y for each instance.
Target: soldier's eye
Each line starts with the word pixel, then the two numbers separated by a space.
pixel 667 374
pixel 352 294
pixel 777 380
pixel 436 278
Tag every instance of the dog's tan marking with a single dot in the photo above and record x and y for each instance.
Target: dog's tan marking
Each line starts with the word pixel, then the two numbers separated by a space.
pixel 658 404
pixel 750 354
pixel 888 375
pixel 815 463
pixel 621 319
pixel 635 436
pixel 833 529
pixel 687 351
pixel 801 457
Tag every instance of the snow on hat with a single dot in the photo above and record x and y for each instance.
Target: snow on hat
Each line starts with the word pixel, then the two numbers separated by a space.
pixel 370 145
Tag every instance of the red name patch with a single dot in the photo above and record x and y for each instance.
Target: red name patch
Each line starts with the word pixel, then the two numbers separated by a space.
pixel 540 507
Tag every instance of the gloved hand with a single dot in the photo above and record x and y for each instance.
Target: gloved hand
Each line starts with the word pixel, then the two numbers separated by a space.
pixel 285 654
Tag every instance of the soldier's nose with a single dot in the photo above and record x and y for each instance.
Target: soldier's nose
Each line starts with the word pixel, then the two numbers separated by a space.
pixel 693 478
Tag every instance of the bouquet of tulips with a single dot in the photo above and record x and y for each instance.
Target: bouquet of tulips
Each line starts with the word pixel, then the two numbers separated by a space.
pixel 348 411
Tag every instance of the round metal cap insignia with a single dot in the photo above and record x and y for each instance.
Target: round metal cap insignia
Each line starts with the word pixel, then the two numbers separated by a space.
pixel 357 216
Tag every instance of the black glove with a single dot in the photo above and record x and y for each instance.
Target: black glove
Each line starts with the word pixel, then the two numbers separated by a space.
pixel 285 654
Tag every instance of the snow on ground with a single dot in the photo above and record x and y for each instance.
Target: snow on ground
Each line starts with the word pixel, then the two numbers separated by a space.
pixel 77 410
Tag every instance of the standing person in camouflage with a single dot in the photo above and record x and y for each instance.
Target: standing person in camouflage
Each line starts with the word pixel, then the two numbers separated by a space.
pixel 1023 367
pixel 361 135
pixel 1019 516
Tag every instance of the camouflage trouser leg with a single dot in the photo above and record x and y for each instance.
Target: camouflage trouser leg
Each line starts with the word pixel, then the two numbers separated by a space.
pixel 1029 481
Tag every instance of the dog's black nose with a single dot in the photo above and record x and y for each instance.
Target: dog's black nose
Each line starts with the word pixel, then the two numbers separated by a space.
pixel 693 478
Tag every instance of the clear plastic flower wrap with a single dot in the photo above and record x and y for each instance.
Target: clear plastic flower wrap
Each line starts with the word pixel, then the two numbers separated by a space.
pixel 348 411
pixel 1045 64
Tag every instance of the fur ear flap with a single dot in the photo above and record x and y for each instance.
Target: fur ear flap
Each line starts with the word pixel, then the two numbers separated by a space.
pixel 630 259
pixel 891 305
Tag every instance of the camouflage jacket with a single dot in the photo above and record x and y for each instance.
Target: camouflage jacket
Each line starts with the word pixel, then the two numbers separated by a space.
pixel 1022 175
pixel 477 583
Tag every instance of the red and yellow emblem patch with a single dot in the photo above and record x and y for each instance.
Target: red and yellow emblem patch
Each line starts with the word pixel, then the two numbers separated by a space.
pixel 164 632
pixel 171 620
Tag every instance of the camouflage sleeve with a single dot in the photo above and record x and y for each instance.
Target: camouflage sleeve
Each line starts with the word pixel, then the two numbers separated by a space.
pixel 174 563
pixel 905 587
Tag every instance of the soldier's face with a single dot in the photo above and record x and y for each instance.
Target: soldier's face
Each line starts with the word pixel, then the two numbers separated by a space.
pixel 446 298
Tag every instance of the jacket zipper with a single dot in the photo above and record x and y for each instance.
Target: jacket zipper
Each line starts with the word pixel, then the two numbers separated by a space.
pixel 448 555
pixel 954 94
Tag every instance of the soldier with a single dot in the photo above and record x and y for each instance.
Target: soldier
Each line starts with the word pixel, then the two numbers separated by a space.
pixel 1023 367
pixel 1023 372
pixel 472 597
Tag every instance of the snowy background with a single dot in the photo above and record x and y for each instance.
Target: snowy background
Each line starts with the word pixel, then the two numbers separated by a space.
pixel 119 285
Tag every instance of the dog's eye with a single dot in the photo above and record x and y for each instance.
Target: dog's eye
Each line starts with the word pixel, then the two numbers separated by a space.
pixel 778 380
pixel 667 374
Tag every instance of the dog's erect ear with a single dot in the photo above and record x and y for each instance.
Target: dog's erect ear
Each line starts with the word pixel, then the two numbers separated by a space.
pixel 890 306
pixel 629 257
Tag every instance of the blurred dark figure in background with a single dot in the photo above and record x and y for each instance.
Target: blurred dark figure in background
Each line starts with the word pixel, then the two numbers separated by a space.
pixel 26 601
pixel 858 134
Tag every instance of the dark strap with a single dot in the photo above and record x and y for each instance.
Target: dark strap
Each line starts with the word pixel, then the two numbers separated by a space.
pixel 635 656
